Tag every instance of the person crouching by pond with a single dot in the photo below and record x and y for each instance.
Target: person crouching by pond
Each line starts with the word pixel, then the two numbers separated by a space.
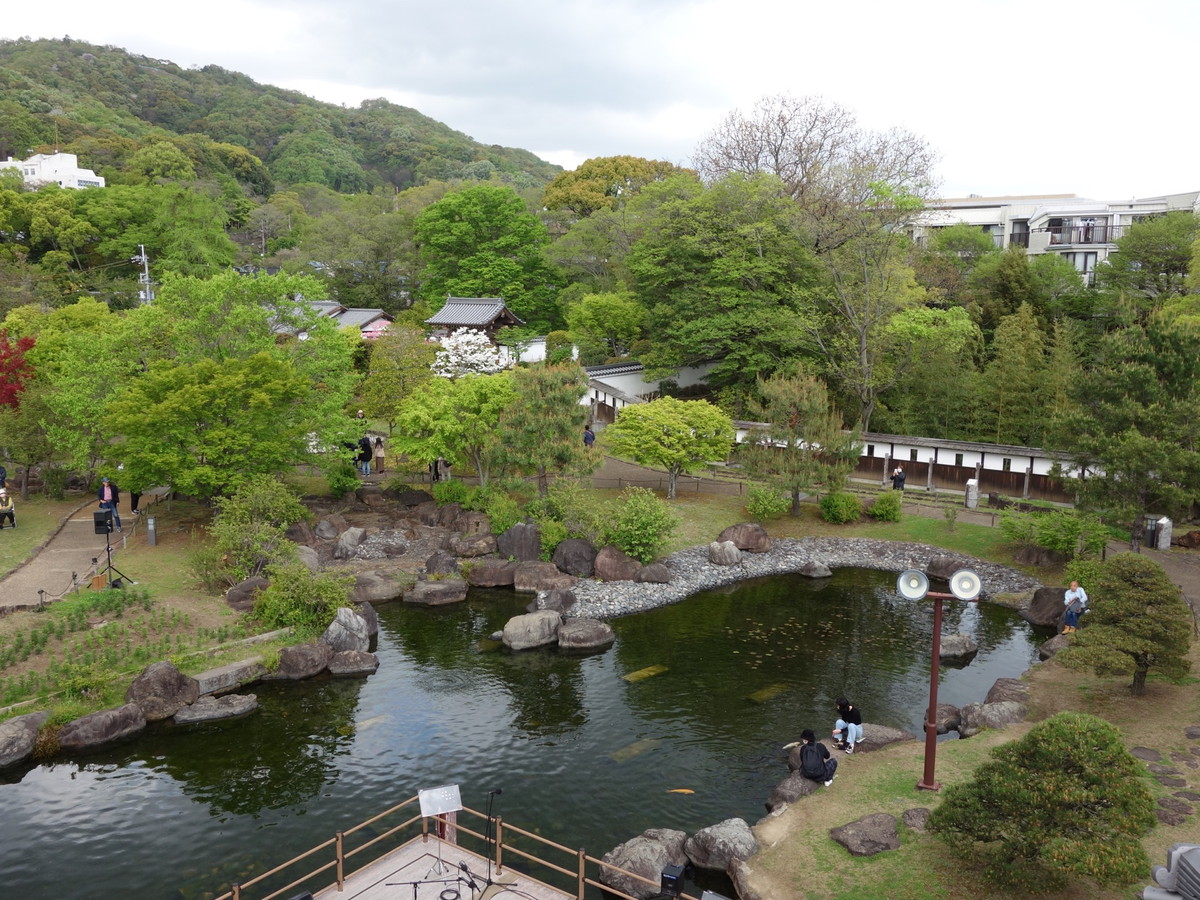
pixel 815 764
pixel 847 730
pixel 8 509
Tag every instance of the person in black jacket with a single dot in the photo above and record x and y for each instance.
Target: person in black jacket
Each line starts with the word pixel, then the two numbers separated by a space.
pixel 109 496
pixel 815 763
pixel 847 730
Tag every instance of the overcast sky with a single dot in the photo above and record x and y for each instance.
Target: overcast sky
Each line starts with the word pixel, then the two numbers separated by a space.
pixel 1017 96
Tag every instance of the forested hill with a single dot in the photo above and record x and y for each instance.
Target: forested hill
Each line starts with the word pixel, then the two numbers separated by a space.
pixel 107 104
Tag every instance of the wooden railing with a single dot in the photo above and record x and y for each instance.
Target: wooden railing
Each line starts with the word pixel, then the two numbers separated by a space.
pixel 575 868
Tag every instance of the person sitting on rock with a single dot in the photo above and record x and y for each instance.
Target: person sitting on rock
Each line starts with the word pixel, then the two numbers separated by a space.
pixel 7 509
pixel 815 763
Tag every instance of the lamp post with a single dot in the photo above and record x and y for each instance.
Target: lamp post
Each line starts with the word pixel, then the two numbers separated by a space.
pixel 914 585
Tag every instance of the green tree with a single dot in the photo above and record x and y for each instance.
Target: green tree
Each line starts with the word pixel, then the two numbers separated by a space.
pixel 1013 380
pixel 543 427
pixel 162 159
pixel 399 366
pixel 1066 801
pixel 605 182
pixel 1152 259
pixel 250 524
pixel 1138 623
pixel 204 428
pixel 458 420
pixel 482 242
pixel 805 443
pixel 606 326
pixel 678 435
pixel 720 270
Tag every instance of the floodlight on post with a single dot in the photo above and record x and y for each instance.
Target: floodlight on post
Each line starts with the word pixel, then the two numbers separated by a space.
pixel 914 585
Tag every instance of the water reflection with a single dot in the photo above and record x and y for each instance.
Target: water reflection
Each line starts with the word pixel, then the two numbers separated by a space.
pixel 585 757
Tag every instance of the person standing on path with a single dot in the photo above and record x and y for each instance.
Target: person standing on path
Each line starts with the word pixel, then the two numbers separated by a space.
pixel 898 477
pixel 380 455
pixel 109 496
pixel 7 509
pixel 1076 601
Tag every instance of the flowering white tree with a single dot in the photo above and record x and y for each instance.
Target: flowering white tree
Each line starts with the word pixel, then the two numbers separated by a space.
pixel 468 351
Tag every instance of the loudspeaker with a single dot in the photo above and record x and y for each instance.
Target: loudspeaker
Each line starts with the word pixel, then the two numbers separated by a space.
pixel 965 584
pixel 671 880
pixel 912 584
pixel 102 521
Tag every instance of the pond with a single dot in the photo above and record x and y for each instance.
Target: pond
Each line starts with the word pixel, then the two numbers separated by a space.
pixel 584 756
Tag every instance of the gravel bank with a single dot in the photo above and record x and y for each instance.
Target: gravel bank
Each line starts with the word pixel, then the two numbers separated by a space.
pixel 691 572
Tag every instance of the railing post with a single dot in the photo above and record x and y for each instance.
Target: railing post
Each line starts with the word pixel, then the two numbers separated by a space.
pixel 424 829
pixel 236 891
pixel 499 845
pixel 582 874
pixel 341 862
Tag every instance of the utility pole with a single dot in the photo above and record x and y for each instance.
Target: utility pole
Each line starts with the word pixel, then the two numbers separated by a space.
pixel 146 293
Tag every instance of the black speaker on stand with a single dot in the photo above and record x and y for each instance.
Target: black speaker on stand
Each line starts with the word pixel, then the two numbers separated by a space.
pixel 102 521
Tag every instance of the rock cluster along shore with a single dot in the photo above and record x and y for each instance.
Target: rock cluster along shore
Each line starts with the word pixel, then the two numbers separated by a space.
pixel 692 571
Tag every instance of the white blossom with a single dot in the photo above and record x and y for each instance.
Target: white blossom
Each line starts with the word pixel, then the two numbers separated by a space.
pixel 468 351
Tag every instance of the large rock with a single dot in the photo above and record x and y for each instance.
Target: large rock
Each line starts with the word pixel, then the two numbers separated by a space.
pixel 491 573
pixel 308 557
pixel 960 646
pixel 654 573
pixel 376 587
pixel 231 677
pixel 214 709
pixel 749 536
pixel 18 737
pixel 302 661
pixel 447 516
pixel 367 611
pixel 240 598
pixel 353 664
pixel 1008 689
pixel 613 564
pixel 532 630
pixel 437 593
pixel 102 729
pixel 347 543
pixel 869 835
pixel 161 690
pixel 347 631
pixel 412 498
pixel 472 522
pixel 645 855
pixel 876 737
pixel 718 845
pixel 472 546
pixel 724 553
pixel 584 634
pixel 576 556
pixel 978 716
pixel 791 789
pixel 559 600
pixel 1046 608
pixel 943 566
pixel 1052 646
pixel 522 542
pixel 814 569
pixel 740 874
pixel 326 530
pixel 442 562
pixel 541 576
pixel 915 818
pixel 947 718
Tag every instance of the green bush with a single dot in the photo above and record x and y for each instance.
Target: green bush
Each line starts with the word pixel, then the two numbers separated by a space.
pixel 343 478
pixel 248 530
pixel 1067 801
pixel 764 503
pixel 569 502
pixel 1019 528
pixel 55 478
pixel 887 507
pixel 502 510
pixel 841 508
pixel 1063 531
pixel 553 533
pixel 642 524
pixel 303 600
pixel 452 491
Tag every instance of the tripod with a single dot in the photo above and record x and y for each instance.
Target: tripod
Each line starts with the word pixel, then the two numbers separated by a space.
pixel 109 569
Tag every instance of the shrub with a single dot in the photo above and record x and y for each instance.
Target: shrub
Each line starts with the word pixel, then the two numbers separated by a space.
pixel 887 507
pixel 764 503
pixel 451 491
pixel 641 525
pixel 841 508
pixel 502 511
pixel 303 600
pixel 1065 801
pixel 248 531
pixel 342 478
pixel 55 479
pixel 553 533
pixel 569 502
pixel 1019 528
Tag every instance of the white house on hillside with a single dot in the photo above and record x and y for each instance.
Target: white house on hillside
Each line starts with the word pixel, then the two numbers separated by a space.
pixel 1082 231
pixel 54 168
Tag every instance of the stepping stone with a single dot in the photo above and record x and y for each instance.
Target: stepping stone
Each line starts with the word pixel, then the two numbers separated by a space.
pixel 1167 781
pixel 1147 754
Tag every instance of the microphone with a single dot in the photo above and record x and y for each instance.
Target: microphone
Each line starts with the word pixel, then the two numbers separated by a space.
pixel 496 791
pixel 470 876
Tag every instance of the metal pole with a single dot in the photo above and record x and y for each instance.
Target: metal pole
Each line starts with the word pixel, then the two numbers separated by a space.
pixel 927 782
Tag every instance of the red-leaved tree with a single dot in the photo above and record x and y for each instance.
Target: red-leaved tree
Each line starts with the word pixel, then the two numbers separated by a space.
pixel 15 369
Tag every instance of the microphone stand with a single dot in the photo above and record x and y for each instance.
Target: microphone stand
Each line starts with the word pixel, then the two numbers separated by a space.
pixel 487 839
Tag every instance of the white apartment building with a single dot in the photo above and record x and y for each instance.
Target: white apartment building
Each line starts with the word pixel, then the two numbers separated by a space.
pixel 54 168
pixel 1081 230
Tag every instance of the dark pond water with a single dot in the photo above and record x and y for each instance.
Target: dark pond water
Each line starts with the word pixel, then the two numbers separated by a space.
pixel 584 756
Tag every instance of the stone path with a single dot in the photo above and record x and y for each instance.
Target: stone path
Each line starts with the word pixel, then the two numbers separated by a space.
pixel 1170 772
